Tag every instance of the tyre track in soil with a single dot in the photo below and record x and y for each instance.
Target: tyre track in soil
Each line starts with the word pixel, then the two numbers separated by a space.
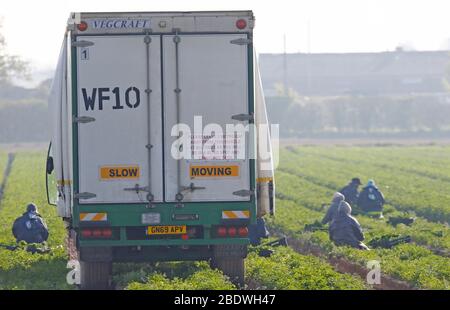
pixel 342 265
pixel 6 174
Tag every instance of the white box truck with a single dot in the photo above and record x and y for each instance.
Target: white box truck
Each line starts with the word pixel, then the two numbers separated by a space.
pixel 145 166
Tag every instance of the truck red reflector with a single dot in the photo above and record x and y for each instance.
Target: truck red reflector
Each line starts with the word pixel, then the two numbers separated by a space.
pixel 83 26
pixel 184 237
pixel 241 23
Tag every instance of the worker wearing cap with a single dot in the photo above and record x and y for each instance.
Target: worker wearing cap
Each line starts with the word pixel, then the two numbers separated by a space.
pixel 371 200
pixel 350 191
pixel 345 229
pixel 30 227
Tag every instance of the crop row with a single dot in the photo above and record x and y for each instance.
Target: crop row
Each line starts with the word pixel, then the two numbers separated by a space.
pixel 300 204
pixel 418 161
pixel 406 192
pixel 288 270
pixel 170 276
pixel 396 158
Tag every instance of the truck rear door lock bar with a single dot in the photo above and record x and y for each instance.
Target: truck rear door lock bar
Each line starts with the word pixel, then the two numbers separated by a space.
pixel 191 187
pixel 137 188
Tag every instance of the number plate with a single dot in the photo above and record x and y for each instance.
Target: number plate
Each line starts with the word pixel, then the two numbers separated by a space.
pixel 166 230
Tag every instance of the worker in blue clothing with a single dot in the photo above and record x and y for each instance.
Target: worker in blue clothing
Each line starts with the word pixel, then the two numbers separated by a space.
pixel 371 200
pixel 30 227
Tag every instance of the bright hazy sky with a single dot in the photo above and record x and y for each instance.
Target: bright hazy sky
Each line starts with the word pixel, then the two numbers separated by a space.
pixel 34 28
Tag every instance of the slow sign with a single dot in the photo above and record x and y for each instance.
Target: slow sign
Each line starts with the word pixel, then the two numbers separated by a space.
pixel 119 172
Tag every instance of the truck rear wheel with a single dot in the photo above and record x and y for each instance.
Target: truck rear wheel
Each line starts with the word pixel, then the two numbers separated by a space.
pixel 230 260
pixel 95 275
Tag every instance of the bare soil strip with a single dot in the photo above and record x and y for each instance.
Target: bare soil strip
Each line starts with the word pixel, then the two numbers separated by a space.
pixel 6 175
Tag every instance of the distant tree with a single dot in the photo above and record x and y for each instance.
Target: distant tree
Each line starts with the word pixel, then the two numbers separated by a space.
pixel 10 65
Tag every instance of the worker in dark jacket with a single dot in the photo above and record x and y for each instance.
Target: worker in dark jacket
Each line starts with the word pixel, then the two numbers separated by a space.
pixel 332 210
pixel 345 229
pixel 350 191
pixel 30 227
pixel 371 200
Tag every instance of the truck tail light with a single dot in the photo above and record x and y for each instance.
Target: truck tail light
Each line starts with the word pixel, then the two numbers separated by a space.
pixel 107 232
pixel 185 237
pixel 221 231
pixel 86 233
pixel 96 233
pixel 232 231
pixel 83 26
pixel 241 23
pixel 243 231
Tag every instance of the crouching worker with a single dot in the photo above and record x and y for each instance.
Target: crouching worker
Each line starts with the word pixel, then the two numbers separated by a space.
pixel 333 209
pixel 30 227
pixel 371 200
pixel 345 229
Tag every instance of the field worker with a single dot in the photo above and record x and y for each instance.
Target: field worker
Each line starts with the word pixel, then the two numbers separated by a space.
pixel 371 200
pixel 332 210
pixel 257 231
pixel 30 227
pixel 350 191
pixel 345 229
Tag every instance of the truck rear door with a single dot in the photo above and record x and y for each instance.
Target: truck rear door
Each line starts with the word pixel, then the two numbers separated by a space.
pixel 113 80
pixel 205 75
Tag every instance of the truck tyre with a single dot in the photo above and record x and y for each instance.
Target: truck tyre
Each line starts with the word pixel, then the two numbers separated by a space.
pixel 231 267
pixel 95 275
pixel 230 260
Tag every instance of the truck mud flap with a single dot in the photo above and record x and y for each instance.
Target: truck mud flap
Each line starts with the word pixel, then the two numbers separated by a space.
pixel 96 254
pixel 230 250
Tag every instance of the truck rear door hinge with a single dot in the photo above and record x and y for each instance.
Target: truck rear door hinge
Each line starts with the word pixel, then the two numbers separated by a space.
pixel 244 193
pixel 243 117
pixel 83 119
pixel 84 195
pixel 241 41
pixel 82 43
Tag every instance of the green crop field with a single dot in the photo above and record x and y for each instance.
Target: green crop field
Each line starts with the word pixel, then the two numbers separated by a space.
pixel 414 180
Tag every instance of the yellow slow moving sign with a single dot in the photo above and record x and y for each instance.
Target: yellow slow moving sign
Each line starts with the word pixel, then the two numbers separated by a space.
pixel 120 172
pixel 200 171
